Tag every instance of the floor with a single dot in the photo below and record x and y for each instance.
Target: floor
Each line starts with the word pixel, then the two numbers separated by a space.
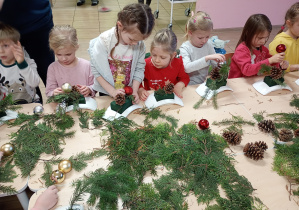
pixel 89 23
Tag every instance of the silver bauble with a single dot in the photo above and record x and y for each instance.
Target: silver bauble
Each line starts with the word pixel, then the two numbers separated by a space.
pixel 66 87
pixel 38 109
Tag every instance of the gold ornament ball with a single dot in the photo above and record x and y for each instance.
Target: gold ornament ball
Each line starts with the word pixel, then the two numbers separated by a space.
pixel 65 166
pixel 38 109
pixel 57 176
pixel 66 87
pixel 7 149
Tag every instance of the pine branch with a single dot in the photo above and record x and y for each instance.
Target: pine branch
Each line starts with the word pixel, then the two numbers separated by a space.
pixel 83 118
pixel 80 188
pixel 8 104
pixel 9 190
pixel 23 118
pixel 97 117
pixel 259 117
pixel 295 101
pixel 59 120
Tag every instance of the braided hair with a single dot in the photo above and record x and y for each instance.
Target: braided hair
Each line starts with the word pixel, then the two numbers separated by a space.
pixel 140 14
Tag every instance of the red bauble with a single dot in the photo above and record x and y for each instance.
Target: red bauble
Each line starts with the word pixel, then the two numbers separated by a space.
pixel 281 48
pixel 203 124
pixel 128 90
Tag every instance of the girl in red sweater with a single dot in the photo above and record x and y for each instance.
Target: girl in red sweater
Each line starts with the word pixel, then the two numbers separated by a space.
pixel 251 53
pixel 163 66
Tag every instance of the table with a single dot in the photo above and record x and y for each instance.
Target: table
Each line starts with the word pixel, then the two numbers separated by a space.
pixel 243 101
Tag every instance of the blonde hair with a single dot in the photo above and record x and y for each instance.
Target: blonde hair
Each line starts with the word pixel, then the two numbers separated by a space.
pixel 165 38
pixel 8 32
pixel 199 21
pixel 61 36
pixel 291 15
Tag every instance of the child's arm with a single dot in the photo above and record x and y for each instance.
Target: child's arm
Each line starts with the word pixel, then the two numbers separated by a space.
pixel 135 88
pixel 190 65
pixel 52 85
pixel 142 93
pixel 109 88
pixel 27 66
pixel 178 89
pixel 47 199
pixel 182 77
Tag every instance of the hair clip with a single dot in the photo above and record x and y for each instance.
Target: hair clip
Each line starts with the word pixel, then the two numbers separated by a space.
pixel 206 17
pixel 194 21
pixel 282 28
pixel 192 13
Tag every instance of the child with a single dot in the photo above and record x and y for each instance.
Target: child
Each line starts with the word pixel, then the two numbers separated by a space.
pixel 289 38
pixel 250 52
pixel 162 66
pixel 18 73
pixel 198 52
pixel 68 68
pixel 47 199
pixel 117 55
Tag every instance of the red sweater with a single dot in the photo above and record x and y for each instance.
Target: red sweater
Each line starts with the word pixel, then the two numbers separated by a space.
pixel 155 78
pixel 244 64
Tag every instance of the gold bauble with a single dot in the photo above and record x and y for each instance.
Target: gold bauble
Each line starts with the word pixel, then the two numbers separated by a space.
pixel 57 176
pixel 66 87
pixel 65 166
pixel 7 149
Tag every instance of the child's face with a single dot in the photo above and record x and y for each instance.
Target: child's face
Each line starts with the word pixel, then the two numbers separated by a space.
pixel 66 56
pixel 293 28
pixel 160 57
pixel 129 37
pixel 6 54
pixel 260 39
pixel 198 38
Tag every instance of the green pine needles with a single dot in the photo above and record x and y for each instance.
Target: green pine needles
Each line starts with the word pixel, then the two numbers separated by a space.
pixel 7 174
pixel 194 159
pixel 295 101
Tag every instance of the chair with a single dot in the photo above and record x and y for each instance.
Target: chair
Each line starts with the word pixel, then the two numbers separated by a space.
pixel 228 56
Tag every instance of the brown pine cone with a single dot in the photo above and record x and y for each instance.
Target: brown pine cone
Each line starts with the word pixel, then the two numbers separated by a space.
pixel 168 88
pixel 232 137
pixel 276 73
pixel 285 135
pixel 120 99
pixel 254 152
pixel 75 88
pixel 261 145
pixel 215 73
pixel 266 126
pixel 296 132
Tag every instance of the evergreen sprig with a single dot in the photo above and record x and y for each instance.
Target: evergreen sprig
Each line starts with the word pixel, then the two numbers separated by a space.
pixel 286 120
pixel 294 101
pixel 234 124
pixel 286 160
pixel 23 118
pixel 83 118
pixel 204 98
pixel 32 140
pixel 8 104
pixel 7 174
pixel 59 120
pixel 72 98
pixel 154 114
pixel 259 116
pixel 97 117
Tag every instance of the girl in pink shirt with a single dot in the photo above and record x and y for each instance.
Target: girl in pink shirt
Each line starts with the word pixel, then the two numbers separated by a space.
pixel 251 53
pixel 68 68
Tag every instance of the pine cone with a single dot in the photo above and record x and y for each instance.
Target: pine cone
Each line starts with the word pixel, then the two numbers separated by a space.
pixel 215 73
pixel 266 126
pixel 276 73
pixel 120 99
pixel 75 88
pixel 296 132
pixel 262 145
pixel 285 135
pixel 168 88
pixel 252 151
pixel 232 137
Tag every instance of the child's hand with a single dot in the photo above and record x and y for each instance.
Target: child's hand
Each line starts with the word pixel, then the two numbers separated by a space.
pixel 117 91
pixel 136 97
pixel 84 90
pixel 178 89
pixel 215 57
pixel 57 91
pixel 143 94
pixel 47 199
pixel 277 58
pixel 17 51
pixel 284 65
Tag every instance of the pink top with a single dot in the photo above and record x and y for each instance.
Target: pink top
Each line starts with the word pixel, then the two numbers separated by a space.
pixel 77 75
pixel 245 64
